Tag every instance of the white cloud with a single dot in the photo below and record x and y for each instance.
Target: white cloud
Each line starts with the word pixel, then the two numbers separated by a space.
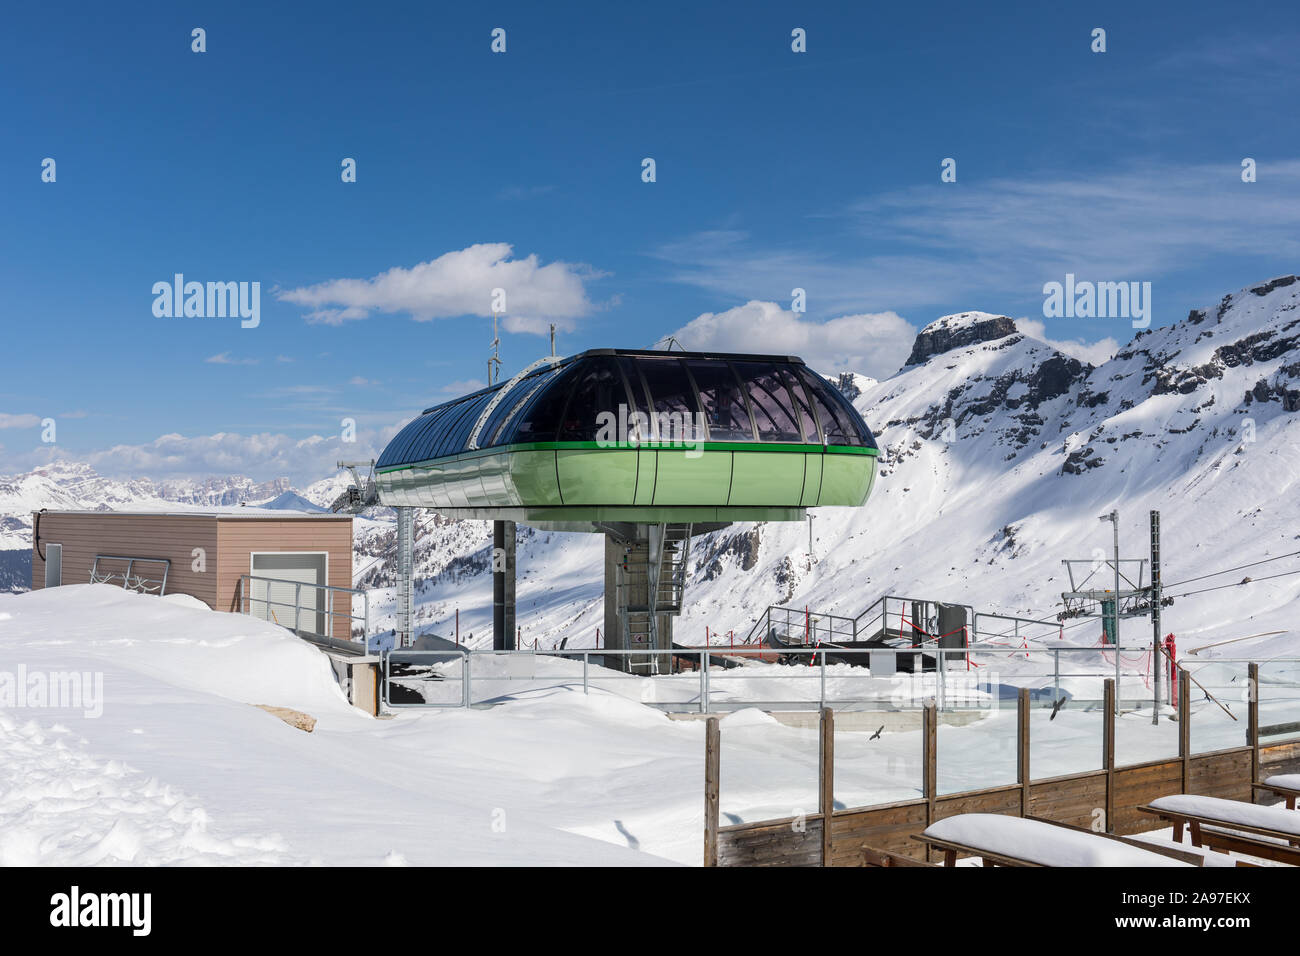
pixel 1094 353
pixel 991 244
pixel 18 421
pixel 873 344
pixel 455 284
pixel 223 358
pixel 259 456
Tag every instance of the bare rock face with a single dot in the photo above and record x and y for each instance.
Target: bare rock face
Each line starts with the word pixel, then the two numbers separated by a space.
pixel 958 331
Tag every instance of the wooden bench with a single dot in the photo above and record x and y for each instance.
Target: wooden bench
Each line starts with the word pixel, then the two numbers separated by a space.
pixel 1285 785
pixel 874 857
pixel 1269 833
pixel 1000 840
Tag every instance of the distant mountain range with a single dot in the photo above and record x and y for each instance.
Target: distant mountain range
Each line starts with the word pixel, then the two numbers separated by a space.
pixel 75 485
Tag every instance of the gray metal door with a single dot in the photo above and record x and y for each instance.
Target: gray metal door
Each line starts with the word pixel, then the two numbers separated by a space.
pixel 53 565
pixel 295 597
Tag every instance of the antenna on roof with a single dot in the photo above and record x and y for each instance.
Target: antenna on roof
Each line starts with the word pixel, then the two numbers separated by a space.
pixel 668 343
pixel 552 340
pixel 494 361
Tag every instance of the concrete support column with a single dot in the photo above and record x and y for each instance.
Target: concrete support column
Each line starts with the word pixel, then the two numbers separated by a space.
pixel 405 577
pixel 503 585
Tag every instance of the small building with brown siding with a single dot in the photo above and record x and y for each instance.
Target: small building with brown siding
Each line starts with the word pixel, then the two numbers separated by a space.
pixel 204 554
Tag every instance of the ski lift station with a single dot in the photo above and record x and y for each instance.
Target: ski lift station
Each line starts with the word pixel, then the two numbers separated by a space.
pixel 644 447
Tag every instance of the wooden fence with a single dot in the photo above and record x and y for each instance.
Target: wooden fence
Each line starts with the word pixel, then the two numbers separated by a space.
pixel 1108 797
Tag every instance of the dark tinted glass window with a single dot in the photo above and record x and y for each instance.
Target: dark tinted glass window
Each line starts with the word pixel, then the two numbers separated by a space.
pixel 770 399
pixel 410 443
pixel 415 448
pixel 854 418
pixel 638 427
pixel 437 434
pixel 392 454
pixel 837 426
pixel 801 407
pixel 598 392
pixel 508 403
pixel 460 434
pixel 722 400
pixel 540 419
pixel 502 420
pixel 674 412
pixel 446 430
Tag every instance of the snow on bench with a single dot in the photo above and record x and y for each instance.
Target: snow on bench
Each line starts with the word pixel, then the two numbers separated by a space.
pixel 1287 781
pixel 1230 812
pixel 1041 843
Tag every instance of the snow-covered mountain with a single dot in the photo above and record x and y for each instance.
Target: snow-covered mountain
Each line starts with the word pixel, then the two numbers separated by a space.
pixel 76 485
pixel 999 453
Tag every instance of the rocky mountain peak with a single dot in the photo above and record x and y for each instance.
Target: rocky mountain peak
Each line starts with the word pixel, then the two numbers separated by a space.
pixel 958 331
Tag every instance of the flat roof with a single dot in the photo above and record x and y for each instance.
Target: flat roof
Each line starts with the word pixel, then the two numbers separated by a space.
pixel 272 514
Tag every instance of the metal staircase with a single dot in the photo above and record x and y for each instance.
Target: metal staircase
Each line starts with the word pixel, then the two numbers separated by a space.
pixel 652 583
pixel 671 586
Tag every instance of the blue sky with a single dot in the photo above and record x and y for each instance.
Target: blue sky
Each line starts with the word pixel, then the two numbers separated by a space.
pixel 522 170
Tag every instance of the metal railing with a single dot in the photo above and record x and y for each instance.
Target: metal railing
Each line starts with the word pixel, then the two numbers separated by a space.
pixel 414 675
pixel 889 617
pixel 132 582
pixel 695 680
pixel 1015 629
pixel 321 609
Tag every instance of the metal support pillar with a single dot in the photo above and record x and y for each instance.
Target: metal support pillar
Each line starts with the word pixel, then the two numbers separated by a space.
pixel 1113 518
pixel 1157 661
pixel 503 585
pixel 405 577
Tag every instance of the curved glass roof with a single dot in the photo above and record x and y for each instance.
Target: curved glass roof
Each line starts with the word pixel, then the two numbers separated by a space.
pixel 619 397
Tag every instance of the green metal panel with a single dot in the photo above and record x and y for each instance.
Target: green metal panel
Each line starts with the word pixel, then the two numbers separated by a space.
pixel 458 471
pixel 766 478
pixel 534 477
pixel 692 477
pixel 812 478
pixel 494 472
pixel 732 480
pixel 645 478
pixel 846 479
pixel 653 515
pixel 601 476
pixel 436 480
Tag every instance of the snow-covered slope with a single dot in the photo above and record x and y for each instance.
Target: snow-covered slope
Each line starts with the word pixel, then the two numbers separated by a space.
pixel 167 761
pixel 1000 453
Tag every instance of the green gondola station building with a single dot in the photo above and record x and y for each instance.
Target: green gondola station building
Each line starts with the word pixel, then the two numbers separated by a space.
pixel 645 447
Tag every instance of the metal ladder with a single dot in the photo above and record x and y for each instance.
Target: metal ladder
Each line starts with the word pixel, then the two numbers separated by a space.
pixel 671 586
pixel 664 564
pixel 637 605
